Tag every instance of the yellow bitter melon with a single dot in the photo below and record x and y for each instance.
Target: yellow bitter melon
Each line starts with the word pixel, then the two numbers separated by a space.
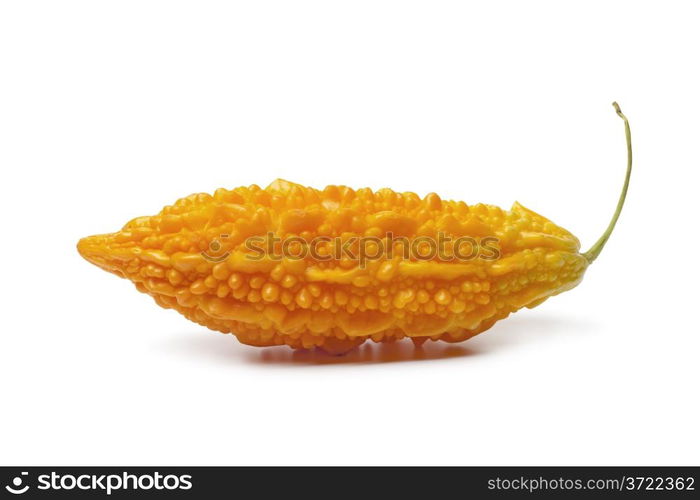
pixel 197 257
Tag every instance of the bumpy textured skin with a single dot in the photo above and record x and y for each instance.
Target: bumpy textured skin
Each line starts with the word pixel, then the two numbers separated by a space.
pixel 337 304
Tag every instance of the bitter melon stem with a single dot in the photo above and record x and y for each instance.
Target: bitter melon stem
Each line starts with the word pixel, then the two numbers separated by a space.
pixel 595 250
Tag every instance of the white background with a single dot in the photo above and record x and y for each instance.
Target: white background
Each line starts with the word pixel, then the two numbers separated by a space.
pixel 110 110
